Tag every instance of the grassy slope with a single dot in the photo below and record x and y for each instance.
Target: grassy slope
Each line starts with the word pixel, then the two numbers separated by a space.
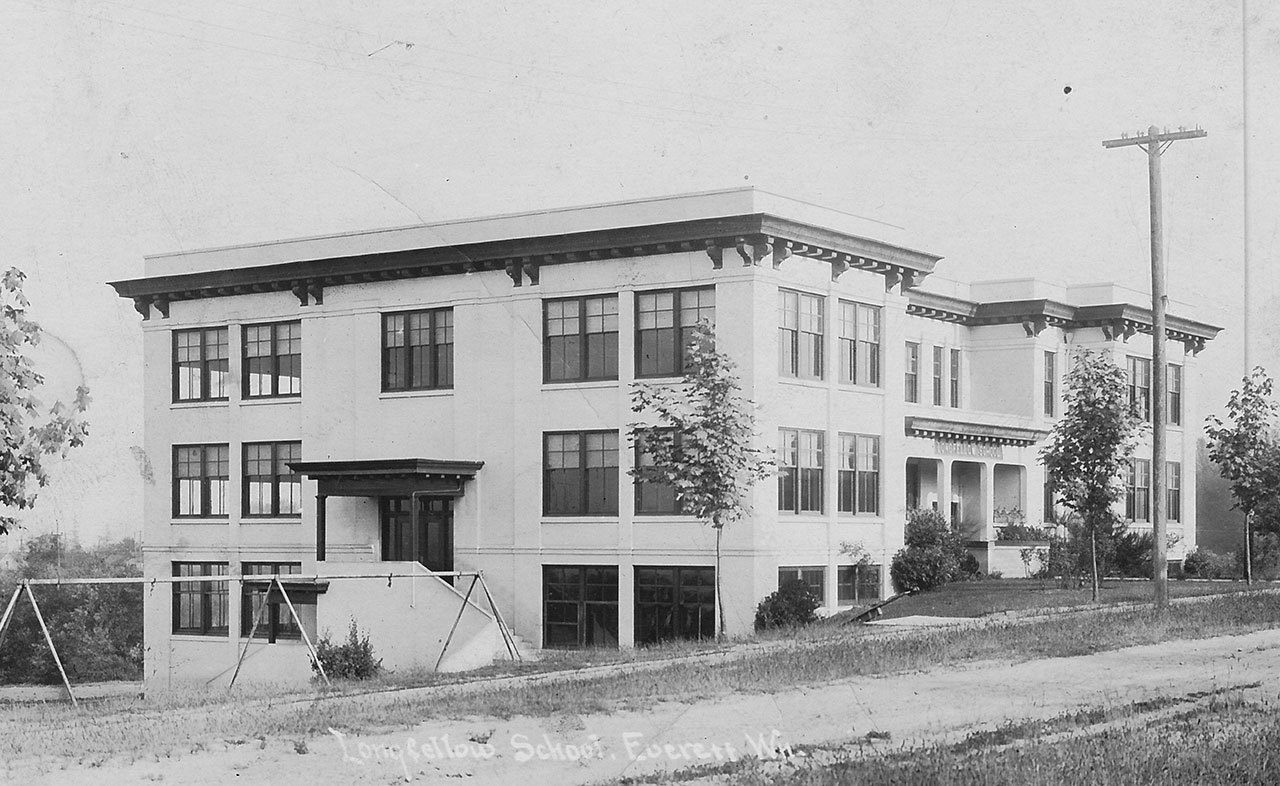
pixel 855 652
pixel 979 598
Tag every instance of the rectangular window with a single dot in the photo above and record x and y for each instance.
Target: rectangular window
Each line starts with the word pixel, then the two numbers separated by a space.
pixel 859 344
pixel 276 621
pixel 1050 383
pixel 911 383
pixel 955 378
pixel 664 325
pixel 674 603
pixel 580 339
pixel 857 584
pixel 800 332
pixel 201 479
pixel 200 607
pixel 270 487
pixel 652 497
pixel 1174 385
pixel 200 369
pixel 938 371
pixel 800 471
pixel 579 606
pixel 815 577
pixel 273 360
pixel 1137 498
pixel 1140 387
pixel 1050 508
pixel 417 350
pixel 1173 490
pixel 859 474
pixel 580 473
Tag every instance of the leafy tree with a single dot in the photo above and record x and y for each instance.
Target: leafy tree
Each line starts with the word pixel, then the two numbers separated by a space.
pixel 97 629
pixel 1247 452
pixel 29 436
pixel 1090 447
pixel 703 447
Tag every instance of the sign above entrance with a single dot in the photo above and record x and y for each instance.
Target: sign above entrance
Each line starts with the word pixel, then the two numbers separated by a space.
pixel 954 447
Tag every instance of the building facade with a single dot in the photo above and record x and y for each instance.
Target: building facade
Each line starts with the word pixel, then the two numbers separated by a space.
pixel 459 396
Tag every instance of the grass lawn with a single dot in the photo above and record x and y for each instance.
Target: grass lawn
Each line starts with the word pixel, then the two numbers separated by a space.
pixel 1222 741
pixel 106 729
pixel 979 598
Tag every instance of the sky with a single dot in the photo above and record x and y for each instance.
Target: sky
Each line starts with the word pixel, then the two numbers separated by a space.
pixel 147 126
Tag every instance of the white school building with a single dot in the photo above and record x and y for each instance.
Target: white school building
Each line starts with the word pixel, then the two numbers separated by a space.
pixel 456 397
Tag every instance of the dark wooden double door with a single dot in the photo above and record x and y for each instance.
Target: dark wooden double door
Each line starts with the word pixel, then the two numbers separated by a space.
pixel 435 531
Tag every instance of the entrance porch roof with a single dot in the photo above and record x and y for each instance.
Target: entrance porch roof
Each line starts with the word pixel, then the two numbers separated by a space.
pixel 388 477
pixel 973 431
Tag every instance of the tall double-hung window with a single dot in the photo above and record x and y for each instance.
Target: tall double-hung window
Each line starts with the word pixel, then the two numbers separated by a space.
pixel 1137 498
pixel 200 607
pixel 417 350
pixel 580 338
pixel 800 334
pixel 200 481
pixel 664 327
pixel 955 378
pixel 1173 490
pixel 270 487
pixel 911 377
pixel 800 463
pixel 580 473
pixel 859 475
pixel 1173 409
pixel 1050 383
pixel 273 360
pixel 1140 387
pixel 200 370
pixel 939 371
pixel 859 344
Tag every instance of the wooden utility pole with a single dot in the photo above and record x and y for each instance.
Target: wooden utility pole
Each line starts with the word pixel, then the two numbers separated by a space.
pixel 1154 143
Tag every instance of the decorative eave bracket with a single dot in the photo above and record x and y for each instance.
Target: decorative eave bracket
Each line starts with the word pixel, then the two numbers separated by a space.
pixel 754 249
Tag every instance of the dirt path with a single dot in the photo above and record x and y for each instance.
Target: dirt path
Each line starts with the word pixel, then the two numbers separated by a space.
pixel 908 707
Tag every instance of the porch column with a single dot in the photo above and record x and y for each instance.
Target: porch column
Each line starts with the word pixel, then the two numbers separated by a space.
pixel 988 501
pixel 320 500
pixel 944 488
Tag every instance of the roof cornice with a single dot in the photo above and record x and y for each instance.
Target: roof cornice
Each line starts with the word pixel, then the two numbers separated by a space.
pixel 752 237
pixel 1117 320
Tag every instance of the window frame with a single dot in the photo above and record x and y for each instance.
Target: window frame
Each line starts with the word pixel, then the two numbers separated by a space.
pixel 954 386
pixel 856 476
pixel 585 488
pixel 207 592
pixel 436 378
pixel 791 340
pixel 677 608
pixel 1173 394
pixel 1135 363
pixel 584 344
pixel 679 330
pixel 911 373
pixel 1133 502
pixel 583 603
pixel 205 364
pixel 788 572
pixel 277 625
pixel 796 481
pixel 277 480
pixel 939 375
pixel 855 350
pixel 205 480
pixel 1173 490
pixel 273 359
pixel 640 484
pixel 1050 388
pixel 856 570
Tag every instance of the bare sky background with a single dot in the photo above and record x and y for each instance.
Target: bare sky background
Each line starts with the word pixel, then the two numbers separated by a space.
pixel 144 126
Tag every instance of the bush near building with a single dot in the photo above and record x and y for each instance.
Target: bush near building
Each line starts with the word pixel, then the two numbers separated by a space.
pixel 793 604
pixel 97 629
pixel 352 659
pixel 933 555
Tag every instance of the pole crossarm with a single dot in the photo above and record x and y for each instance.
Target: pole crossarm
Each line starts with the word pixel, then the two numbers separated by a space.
pixel 1159 137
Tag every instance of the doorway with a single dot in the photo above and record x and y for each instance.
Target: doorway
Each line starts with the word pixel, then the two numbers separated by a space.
pixel 435 531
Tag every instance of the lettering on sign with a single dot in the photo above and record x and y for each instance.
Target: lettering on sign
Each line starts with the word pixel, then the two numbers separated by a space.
pixel 954 447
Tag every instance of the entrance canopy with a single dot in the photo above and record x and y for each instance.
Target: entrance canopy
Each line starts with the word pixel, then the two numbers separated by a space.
pixel 383 478
pixel 388 477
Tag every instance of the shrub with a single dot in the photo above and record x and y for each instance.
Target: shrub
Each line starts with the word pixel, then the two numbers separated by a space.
pixel 1131 555
pixel 1021 532
pixel 351 660
pixel 934 554
pixel 793 604
pixel 1205 564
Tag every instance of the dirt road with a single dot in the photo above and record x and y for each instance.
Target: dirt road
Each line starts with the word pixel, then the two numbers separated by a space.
pixel 586 749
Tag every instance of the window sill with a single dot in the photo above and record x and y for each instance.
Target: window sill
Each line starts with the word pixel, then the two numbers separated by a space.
pixel 431 393
pixel 267 400
pixel 817 384
pixel 586 384
pixel 221 522
pixel 586 519
pixel 198 636
pixel 852 387
pixel 664 518
pixel 270 519
pixel 217 402
pixel 262 639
